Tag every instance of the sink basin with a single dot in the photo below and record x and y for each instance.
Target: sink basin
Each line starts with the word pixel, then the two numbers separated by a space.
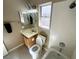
pixel 29 32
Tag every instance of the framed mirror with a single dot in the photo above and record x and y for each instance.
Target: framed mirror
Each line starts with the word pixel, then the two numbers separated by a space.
pixel 29 18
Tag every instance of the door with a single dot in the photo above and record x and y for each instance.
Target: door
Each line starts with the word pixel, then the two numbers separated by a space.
pixel 5 52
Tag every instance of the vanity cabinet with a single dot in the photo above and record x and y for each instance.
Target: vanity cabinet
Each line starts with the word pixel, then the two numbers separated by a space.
pixel 29 35
pixel 30 41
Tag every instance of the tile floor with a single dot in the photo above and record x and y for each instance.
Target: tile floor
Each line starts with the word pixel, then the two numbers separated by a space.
pixel 20 53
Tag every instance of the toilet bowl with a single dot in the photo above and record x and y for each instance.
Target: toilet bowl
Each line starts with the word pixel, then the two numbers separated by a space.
pixel 36 49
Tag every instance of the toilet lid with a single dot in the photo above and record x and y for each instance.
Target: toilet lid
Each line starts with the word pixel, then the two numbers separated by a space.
pixel 34 49
pixel 40 40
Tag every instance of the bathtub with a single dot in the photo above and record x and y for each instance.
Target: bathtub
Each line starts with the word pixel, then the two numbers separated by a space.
pixel 54 54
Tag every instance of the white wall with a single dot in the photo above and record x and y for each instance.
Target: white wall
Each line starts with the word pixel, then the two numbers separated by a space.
pixel 73 55
pixel 63 27
pixel 13 39
pixel 11 8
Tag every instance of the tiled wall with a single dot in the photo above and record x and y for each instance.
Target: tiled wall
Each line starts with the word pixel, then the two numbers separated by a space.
pixel 63 26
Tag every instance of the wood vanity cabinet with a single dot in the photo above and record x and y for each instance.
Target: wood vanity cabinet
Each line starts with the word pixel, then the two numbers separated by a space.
pixel 30 41
pixel 29 36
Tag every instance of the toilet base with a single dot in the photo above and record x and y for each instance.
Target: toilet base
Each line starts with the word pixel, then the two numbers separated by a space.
pixel 36 56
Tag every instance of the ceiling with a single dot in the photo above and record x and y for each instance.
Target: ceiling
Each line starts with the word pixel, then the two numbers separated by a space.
pixel 11 8
pixel 36 2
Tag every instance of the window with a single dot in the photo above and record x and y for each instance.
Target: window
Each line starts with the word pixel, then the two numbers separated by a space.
pixel 45 14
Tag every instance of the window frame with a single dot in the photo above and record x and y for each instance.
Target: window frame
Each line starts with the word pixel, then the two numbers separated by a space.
pixel 40 14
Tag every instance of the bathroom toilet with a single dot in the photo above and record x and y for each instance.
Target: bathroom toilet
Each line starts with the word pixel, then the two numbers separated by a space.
pixel 36 49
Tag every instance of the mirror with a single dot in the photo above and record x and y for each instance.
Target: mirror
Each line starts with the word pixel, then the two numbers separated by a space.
pixel 29 18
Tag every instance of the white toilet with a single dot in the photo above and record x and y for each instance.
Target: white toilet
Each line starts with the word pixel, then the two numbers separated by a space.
pixel 35 50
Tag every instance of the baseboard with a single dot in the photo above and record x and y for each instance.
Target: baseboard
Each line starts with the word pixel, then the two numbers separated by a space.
pixel 15 47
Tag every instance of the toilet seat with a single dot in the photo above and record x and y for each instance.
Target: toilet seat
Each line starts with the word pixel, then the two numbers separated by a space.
pixel 34 49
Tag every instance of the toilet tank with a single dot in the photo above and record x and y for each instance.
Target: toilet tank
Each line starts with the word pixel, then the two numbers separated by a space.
pixel 40 40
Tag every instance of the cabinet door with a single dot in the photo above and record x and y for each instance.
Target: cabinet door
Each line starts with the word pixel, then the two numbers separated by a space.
pixel 26 41
pixel 29 42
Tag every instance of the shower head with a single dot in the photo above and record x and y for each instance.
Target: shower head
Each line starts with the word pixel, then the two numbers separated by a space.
pixel 72 5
